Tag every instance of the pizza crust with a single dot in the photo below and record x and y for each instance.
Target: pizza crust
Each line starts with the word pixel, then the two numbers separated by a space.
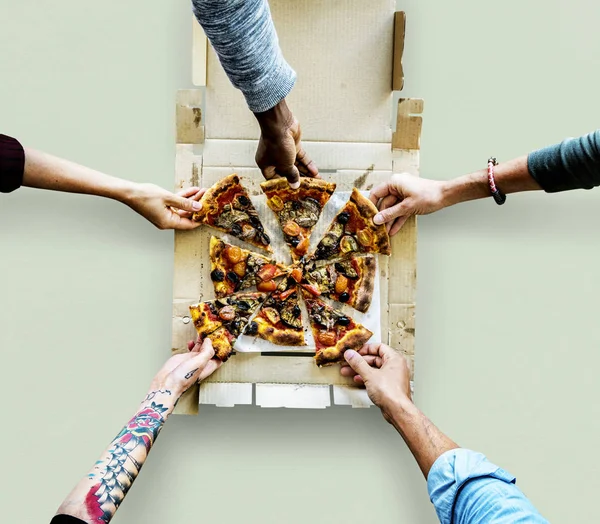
pixel 353 339
pixel 280 337
pixel 367 209
pixel 366 286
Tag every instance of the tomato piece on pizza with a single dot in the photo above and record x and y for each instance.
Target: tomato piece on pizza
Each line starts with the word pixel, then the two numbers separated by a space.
pixel 235 269
pixel 334 332
pixel 226 206
pixel 223 320
pixel 350 281
pixel 279 320
pixel 297 210
pixel 353 231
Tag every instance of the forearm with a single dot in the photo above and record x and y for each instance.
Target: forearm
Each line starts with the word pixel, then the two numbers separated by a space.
pixel 244 37
pixel 44 171
pixel 425 441
pixel 97 497
pixel 510 177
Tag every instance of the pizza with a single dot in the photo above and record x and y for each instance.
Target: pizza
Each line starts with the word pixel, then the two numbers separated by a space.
pixel 334 332
pixel 234 269
pixel 223 320
pixel 227 206
pixel 353 231
pixel 279 320
pixel 350 281
pixel 297 210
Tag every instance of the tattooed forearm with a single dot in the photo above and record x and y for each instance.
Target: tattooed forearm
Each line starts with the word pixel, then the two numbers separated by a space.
pixel 152 394
pixel 114 475
pixel 190 374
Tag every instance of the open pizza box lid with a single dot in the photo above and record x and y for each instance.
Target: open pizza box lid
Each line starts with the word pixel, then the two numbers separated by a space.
pixel 348 59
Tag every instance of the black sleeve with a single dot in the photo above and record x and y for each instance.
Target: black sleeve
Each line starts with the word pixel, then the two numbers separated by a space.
pixel 572 164
pixel 12 164
pixel 66 519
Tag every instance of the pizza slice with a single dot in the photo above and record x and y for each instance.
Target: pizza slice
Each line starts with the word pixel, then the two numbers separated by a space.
pixel 334 332
pixel 297 210
pixel 353 231
pixel 227 206
pixel 350 281
pixel 223 320
pixel 279 320
pixel 234 269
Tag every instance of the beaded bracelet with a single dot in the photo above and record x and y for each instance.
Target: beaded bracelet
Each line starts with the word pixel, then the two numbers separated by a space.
pixel 499 196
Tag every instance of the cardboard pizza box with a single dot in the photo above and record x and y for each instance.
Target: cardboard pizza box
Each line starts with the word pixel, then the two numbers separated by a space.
pixel 348 56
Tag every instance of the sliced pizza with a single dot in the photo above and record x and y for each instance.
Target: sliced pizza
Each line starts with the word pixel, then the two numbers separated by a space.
pixel 353 231
pixel 350 281
pixel 234 269
pixel 223 320
pixel 333 331
pixel 227 206
pixel 279 320
pixel 297 210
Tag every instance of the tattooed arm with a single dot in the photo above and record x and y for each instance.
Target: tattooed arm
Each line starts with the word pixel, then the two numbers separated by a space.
pixel 97 497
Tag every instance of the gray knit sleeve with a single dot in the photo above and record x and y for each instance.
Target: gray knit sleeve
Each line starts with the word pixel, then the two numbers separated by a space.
pixel 572 164
pixel 244 38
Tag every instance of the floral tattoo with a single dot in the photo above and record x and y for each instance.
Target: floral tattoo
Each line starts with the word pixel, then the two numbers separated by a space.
pixel 116 474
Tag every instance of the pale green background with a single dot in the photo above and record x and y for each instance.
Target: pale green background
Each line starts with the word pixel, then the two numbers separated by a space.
pixel 507 330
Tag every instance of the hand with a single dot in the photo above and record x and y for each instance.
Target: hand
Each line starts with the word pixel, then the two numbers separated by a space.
pixel 164 209
pixel 280 152
pixel 384 372
pixel 405 195
pixel 183 370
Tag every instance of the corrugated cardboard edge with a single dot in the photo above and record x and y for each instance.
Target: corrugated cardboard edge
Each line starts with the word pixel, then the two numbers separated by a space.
pixel 399 33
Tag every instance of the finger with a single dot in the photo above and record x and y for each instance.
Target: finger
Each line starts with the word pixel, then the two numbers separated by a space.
pixel 209 369
pixel 387 202
pixel 373 361
pixel 358 364
pixel 386 215
pixel 182 223
pixel 191 344
pixel 197 196
pixel 189 192
pixel 303 162
pixel 397 225
pixel 379 192
pixel 359 380
pixel 185 204
pixel 378 349
pixel 292 174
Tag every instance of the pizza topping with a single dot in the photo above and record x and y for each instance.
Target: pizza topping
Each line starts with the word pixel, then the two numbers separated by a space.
pixel 343 321
pixel 286 294
pixel 290 318
pixel 252 328
pixel 296 274
pixel 233 254
pixel 348 244
pixel 294 241
pixel 291 229
pixel 267 272
pixel 227 313
pixel 243 200
pixel 346 268
pixel 235 230
pixel 267 287
pixel 327 338
pixel 296 311
pixel 343 218
pixel 327 247
pixel 341 284
pixel 240 269
pixel 232 277
pixel 312 289
pixel 272 315
pixel 264 238
pixel 217 275
pixel 302 247
pixel 365 237
pixel 344 297
pixel 275 203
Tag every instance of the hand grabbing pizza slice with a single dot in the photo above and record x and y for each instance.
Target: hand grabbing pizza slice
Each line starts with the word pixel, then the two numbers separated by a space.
pixel 234 269
pixel 350 281
pixel 223 320
pixel 334 332
pixel 227 206
pixel 297 210
pixel 353 231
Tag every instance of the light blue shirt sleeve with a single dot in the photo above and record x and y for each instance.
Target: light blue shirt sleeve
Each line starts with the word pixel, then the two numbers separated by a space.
pixel 466 488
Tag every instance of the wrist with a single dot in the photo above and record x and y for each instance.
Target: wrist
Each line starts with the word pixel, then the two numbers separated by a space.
pixel 465 188
pixel 159 394
pixel 400 412
pixel 275 121
pixel 125 191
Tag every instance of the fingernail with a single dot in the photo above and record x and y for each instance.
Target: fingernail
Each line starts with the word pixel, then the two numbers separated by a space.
pixel 295 185
pixel 378 219
pixel 197 206
pixel 349 354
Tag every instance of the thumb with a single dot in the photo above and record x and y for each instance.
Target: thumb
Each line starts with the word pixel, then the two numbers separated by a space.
pixel 184 204
pixel 292 174
pixel 387 215
pixel 358 364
